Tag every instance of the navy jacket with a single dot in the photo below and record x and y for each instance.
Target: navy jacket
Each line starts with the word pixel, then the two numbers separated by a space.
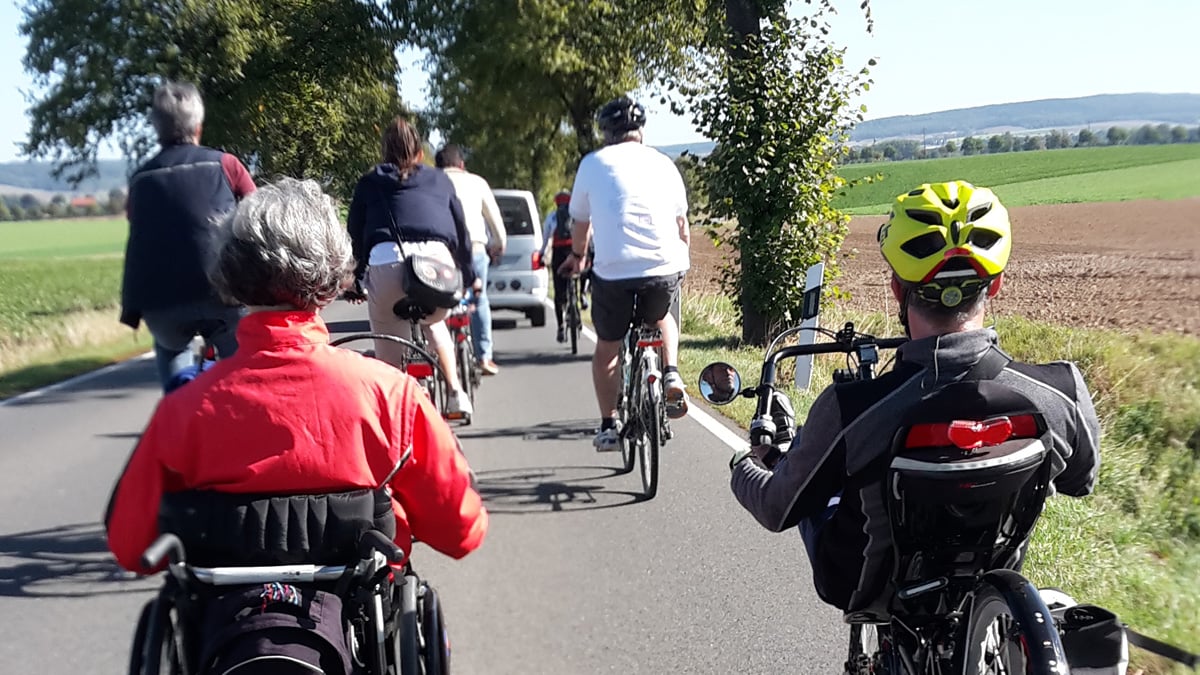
pixel 423 206
pixel 174 199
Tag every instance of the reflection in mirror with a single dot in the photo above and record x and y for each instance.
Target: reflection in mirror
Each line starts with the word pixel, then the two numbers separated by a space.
pixel 720 383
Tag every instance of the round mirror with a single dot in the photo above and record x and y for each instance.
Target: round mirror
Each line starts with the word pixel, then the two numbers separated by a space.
pixel 720 383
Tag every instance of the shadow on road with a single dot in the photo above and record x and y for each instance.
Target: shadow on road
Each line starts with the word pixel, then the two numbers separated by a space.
pixel 562 430
pixel 66 561
pixel 552 489
pixel 120 383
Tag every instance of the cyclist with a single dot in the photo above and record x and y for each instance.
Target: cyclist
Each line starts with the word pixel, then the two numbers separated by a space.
pixel 288 414
pixel 401 196
pixel 947 245
pixel 488 239
pixel 630 198
pixel 173 199
pixel 556 234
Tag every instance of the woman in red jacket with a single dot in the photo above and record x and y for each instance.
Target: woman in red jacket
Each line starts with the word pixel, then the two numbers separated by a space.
pixel 289 414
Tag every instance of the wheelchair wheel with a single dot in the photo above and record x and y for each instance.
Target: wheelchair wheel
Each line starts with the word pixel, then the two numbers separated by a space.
pixel 406 641
pixel 157 641
pixel 436 642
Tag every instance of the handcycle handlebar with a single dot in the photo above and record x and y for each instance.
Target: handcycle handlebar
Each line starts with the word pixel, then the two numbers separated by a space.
pixel 166 546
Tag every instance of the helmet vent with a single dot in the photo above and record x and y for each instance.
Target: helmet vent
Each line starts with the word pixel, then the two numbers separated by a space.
pixel 925 245
pixel 983 238
pixel 979 212
pixel 916 193
pixel 950 203
pixel 927 217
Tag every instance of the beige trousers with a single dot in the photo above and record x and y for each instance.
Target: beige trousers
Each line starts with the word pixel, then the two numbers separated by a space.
pixel 384 289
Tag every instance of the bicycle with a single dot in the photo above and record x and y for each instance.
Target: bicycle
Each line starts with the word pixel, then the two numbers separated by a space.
pixel 469 371
pixel 641 404
pixel 955 604
pixel 574 315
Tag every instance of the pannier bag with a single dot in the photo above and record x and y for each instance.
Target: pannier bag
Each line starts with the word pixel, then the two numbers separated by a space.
pixel 1093 638
pixel 275 629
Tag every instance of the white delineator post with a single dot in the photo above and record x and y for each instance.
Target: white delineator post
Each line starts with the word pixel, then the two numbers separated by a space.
pixel 813 280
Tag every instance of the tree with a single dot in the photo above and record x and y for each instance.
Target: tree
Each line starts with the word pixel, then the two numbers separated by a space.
pixel 28 201
pixel 1179 134
pixel 1058 139
pixel 18 213
pixel 776 102
pixel 889 152
pixel 1086 137
pixel 116 201
pixel 1147 134
pixel 296 87
pixel 1000 143
pixel 697 195
pixel 1117 135
pixel 1034 143
pixel 972 146
pixel 950 147
pixel 5 212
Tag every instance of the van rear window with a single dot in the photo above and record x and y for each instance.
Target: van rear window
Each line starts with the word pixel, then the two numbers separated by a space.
pixel 515 212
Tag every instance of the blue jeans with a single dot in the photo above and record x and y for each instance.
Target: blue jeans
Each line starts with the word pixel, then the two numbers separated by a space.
pixel 481 320
pixel 810 528
pixel 174 327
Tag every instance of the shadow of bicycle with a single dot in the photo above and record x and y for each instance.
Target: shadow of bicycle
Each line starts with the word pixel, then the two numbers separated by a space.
pixel 552 489
pixel 68 561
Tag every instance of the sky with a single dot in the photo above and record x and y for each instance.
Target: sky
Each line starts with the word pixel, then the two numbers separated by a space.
pixel 932 55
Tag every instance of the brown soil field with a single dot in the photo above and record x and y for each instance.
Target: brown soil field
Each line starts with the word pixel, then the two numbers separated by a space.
pixel 1124 265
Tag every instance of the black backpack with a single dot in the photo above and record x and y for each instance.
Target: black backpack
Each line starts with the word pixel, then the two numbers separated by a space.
pixel 562 228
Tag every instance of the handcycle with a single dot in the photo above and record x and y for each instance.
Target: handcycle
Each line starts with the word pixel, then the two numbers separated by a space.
pixel 641 402
pixel 387 620
pixel 956 602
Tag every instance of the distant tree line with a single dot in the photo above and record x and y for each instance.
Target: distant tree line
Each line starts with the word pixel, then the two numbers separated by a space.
pixel 1147 134
pixel 28 207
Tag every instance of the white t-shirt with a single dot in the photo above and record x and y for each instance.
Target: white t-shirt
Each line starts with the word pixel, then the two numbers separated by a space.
pixel 479 207
pixel 632 194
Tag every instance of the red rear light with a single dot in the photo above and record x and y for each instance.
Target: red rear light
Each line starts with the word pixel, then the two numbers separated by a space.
pixel 458 320
pixel 420 370
pixel 535 261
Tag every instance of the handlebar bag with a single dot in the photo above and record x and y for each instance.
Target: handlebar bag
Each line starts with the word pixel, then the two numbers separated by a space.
pixel 275 629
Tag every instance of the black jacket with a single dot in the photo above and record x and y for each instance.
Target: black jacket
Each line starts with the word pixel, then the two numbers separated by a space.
pixel 422 206
pixel 173 200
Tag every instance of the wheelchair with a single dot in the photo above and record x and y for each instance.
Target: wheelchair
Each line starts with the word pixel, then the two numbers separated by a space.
pixel 390 618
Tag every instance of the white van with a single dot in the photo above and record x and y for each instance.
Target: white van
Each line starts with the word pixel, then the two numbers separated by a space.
pixel 519 280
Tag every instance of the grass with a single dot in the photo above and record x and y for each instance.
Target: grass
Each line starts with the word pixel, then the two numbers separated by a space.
pixel 1134 546
pixel 62 238
pixel 1116 173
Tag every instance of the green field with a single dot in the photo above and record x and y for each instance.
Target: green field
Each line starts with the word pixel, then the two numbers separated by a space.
pixel 1106 174
pixel 62 238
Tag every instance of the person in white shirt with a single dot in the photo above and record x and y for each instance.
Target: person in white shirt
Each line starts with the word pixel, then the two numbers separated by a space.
pixel 487 241
pixel 630 199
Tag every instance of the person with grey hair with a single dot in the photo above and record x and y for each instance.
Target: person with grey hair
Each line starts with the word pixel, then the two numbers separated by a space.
pixel 174 199
pixel 288 413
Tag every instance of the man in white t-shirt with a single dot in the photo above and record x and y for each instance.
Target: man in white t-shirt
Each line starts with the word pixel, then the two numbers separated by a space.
pixel 487 242
pixel 629 198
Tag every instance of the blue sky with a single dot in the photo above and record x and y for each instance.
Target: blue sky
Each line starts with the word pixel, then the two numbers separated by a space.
pixel 933 55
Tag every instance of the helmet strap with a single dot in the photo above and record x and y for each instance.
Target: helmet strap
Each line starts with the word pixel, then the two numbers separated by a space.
pixel 904 313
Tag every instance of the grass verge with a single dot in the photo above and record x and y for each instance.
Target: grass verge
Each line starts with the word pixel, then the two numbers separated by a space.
pixel 1134 546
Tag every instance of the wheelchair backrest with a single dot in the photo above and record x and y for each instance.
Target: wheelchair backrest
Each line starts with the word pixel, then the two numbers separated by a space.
pixel 967 481
pixel 220 528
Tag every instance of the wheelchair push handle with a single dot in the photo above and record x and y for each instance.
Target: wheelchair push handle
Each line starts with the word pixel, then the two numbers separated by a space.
pixel 377 541
pixel 167 546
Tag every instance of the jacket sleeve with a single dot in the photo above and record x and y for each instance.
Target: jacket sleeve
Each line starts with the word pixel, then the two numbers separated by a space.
pixel 491 216
pixel 434 487
pixel 131 520
pixel 355 224
pixel 238 176
pixel 463 253
pixel 803 482
pixel 1079 476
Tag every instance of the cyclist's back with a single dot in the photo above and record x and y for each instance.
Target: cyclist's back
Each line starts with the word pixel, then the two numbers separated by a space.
pixel 947 245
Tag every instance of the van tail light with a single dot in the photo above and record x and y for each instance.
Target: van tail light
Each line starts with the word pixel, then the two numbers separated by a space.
pixel 535 261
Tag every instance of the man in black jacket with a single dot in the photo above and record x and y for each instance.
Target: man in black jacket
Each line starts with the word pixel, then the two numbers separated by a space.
pixel 174 200
pixel 947 245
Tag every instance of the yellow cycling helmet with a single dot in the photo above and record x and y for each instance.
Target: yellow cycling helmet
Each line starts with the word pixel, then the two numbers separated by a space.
pixel 947 240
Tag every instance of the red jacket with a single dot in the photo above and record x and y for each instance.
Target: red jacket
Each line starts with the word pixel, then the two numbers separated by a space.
pixel 289 414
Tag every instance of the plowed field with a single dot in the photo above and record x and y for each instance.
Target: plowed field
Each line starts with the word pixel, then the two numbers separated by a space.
pixel 1125 265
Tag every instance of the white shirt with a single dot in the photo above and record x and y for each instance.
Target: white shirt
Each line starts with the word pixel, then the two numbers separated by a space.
pixel 632 194
pixel 479 207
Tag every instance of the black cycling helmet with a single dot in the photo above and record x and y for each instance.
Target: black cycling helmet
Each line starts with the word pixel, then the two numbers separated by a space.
pixel 620 115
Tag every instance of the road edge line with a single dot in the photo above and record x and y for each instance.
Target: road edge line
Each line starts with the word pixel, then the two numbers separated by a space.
pixel 706 421
pixel 78 379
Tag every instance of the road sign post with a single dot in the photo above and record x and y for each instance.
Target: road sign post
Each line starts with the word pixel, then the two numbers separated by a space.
pixel 812 286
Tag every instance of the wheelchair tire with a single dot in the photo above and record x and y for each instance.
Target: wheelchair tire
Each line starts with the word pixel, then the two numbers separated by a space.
pixel 407 639
pixel 137 651
pixel 436 648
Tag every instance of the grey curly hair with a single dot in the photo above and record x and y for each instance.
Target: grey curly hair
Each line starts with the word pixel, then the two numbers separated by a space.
pixel 283 245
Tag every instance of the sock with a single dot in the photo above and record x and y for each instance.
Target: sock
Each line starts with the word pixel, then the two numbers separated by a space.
pixel 608 423
pixel 670 369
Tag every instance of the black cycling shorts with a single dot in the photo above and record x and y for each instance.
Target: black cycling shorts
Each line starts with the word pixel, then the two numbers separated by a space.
pixel 612 302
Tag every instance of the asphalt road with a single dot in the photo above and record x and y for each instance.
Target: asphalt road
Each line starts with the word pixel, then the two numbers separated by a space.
pixel 577 575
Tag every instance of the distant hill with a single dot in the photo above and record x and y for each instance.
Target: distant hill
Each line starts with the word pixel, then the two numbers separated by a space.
pixel 35 178
pixel 1055 113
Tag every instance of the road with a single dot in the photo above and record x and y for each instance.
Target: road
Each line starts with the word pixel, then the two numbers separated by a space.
pixel 577 574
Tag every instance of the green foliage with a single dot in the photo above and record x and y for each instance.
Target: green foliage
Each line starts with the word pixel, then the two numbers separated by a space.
pixel 778 107
pixel 1070 175
pixel 299 87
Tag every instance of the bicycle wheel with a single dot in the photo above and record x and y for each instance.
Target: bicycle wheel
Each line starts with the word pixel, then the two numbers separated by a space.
pixel 864 655
pixel 574 318
pixel 1007 632
pixel 464 356
pixel 628 420
pixel 651 423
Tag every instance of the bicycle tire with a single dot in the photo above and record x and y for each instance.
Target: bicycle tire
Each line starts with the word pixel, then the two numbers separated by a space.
pixel 464 355
pixel 574 314
pixel 652 434
pixel 627 420
pixel 1004 616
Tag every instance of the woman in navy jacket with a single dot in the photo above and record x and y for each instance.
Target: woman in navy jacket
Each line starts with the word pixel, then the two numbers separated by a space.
pixel 402 195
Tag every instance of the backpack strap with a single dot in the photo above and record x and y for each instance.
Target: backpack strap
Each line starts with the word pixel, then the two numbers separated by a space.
pixel 989 366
